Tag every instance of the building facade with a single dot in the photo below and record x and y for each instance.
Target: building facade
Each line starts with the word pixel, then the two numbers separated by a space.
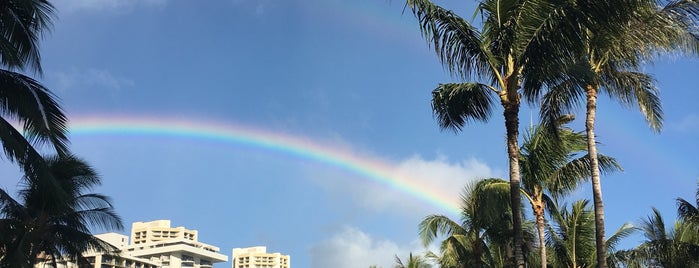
pixel 152 245
pixel 257 257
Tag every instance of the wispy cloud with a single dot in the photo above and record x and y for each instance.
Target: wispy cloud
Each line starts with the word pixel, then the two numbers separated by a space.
pixel 689 123
pixel 74 6
pixel 440 174
pixel 352 248
pixel 91 78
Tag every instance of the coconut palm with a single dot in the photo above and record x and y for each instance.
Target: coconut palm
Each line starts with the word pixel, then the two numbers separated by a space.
pixel 572 236
pixel 413 262
pixel 688 212
pixel 613 53
pixel 677 247
pixel 21 97
pixel 53 217
pixel 484 227
pixel 520 44
pixel 551 167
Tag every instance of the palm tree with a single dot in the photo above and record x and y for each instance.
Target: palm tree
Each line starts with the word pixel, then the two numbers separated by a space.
pixel 677 247
pixel 413 262
pixel 688 212
pixel 551 168
pixel 572 236
pixel 54 221
pixel 614 50
pixel 21 97
pixel 520 44
pixel 484 227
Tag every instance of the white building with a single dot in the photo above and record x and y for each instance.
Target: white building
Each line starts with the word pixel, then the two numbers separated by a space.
pixel 171 247
pixel 153 245
pixel 257 257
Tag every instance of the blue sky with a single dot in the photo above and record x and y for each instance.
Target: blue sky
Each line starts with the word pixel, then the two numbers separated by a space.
pixel 352 74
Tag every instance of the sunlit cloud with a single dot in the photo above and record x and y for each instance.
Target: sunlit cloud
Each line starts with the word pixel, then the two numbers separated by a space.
pixel 445 176
pixel 352 248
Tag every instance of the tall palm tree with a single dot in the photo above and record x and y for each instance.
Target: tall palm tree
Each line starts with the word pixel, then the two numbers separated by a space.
pixel 413 262
pixel 54 221
pixel 551 167
pixel 520 44
pixel 22 23
pixel 484 227
pixel 612 55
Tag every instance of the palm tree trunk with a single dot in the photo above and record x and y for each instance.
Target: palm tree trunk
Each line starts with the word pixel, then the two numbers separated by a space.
pixel 511 104
pixel 538 209
pixel 595 176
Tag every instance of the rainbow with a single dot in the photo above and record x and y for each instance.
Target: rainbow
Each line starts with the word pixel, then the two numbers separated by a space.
pixel 371 168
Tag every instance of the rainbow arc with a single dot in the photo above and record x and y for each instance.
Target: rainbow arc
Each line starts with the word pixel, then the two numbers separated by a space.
pixel 370 168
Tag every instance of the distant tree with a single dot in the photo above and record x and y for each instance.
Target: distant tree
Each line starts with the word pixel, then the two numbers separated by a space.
pixel 412 262
pixel 52 217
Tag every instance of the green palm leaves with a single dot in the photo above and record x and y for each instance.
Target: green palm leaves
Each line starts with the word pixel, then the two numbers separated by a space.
pixel 21 97
pixel 55 210
pixel 557 53
pixel 412 262
pixel 517 42
pixel 455 104
pixel 483 233
pixel 53 216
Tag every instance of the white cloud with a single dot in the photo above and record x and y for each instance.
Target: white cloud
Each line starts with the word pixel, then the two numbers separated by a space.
pixel 71 6
pixel 351 248
pixel 439 175
pixel 690 123
pixel 74 79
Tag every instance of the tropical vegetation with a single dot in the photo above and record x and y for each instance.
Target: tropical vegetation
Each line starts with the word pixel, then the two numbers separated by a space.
pixel 53 211
pixel 552 53
pixel 555 54
pixel 481 238
pixel 22 98
pixel 611 62
pixel 52 217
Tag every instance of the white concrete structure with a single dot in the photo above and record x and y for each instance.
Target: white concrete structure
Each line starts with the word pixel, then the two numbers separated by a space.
pixel 153 245
pixel 257 257
pixel 102 260
pixel 171 247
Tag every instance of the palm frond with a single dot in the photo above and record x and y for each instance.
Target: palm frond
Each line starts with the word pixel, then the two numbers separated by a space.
pixel 26 100
pixel 653 227
pixel 23 25
pixel 456 41
pixel 624 231
pixel 455 104
pixel 635 89
pixel 434 225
